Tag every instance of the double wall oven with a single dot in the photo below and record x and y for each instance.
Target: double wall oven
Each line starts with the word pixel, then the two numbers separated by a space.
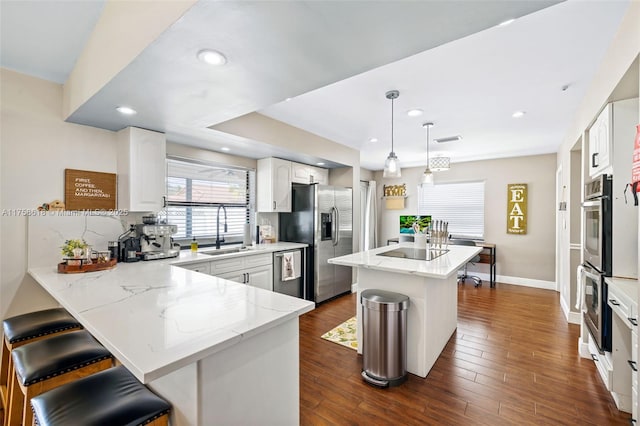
pixel 597 250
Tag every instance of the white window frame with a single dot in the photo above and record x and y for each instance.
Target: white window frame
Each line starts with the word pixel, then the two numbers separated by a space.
pixel 173 209
pixel 459 203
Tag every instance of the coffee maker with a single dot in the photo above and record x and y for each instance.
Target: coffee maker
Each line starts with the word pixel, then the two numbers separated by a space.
pixel 156 241
pixel 128 246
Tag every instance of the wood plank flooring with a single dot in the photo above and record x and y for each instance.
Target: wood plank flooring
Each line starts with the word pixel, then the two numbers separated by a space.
pixel 512 361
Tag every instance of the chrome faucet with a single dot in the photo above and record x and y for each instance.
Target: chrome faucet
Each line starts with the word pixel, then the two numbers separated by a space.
pixel 218 240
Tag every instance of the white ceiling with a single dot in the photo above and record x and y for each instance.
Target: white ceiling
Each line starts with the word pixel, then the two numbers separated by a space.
pixel 336 60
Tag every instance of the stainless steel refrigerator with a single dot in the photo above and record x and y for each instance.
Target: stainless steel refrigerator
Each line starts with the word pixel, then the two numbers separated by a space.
pixel 321 216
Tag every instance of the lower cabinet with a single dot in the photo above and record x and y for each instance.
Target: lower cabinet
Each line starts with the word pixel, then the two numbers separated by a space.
pixel 256 271
pixel 261 277
pixel 624 354
pixel 202 267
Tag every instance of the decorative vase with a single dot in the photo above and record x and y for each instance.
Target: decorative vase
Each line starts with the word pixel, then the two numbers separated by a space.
pixel 77 255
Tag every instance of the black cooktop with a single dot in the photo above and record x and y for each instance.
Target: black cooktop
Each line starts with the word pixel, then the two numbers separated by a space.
pixel 414 253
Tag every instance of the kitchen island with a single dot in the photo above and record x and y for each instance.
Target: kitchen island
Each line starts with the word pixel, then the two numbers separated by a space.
pixel 221 352
pixel 432 289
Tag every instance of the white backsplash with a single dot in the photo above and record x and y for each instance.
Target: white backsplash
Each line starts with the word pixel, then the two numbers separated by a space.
pixel 47 233
pixel 268 219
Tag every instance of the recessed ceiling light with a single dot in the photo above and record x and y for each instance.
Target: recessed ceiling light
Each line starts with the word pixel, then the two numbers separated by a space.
pixel 373 140
pixel 287 100
pixel 320 164
pixel 225 149
pixel 415 112
pixel 505 23
pixel 518 114
pixel 212 57
pixel 126 110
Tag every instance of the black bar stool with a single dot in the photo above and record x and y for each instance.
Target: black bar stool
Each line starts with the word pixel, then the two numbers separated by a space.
pixel 49 363
pixel 111 397
pixel 22 329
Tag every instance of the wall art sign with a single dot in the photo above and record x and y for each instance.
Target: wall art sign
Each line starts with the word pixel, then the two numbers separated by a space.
pixel 517 208
pixel 86 190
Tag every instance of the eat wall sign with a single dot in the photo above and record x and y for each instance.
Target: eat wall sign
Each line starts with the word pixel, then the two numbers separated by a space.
pixel 86 190
pixel 517 208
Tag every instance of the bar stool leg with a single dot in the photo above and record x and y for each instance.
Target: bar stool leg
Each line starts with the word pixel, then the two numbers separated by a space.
pixel 4 373
pixel 13 416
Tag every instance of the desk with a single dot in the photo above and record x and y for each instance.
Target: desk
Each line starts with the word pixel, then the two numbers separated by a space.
pixel 488 255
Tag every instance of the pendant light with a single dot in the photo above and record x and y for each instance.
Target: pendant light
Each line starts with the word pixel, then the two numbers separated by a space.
pixel 440 164
pixel 391 165
pixel 427 176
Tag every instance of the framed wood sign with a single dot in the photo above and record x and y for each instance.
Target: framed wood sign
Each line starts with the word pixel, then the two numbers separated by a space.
pixel 86 190
pixel 517 208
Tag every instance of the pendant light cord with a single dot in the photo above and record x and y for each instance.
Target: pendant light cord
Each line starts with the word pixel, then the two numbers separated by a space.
pixel 428 145
pixel 392 99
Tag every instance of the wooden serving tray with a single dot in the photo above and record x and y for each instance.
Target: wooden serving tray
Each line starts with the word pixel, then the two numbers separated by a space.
pixel 65 268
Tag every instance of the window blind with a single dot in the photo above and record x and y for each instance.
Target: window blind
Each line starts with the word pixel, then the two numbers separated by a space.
pixel 197 194
pixel 460 204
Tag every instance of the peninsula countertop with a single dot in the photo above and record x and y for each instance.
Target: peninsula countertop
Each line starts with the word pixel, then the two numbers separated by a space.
pixel 156 317
pixel 441 267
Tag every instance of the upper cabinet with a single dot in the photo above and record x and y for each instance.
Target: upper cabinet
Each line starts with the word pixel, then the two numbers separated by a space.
pixel 274 185
pixel 303 173
pixel 600 143
pixel 141 170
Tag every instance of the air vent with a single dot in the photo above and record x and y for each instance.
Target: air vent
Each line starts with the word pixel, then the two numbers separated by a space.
pixel 448 139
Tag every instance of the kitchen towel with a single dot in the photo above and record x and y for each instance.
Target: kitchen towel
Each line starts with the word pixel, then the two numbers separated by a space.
pixel 579 274
pixel 288 272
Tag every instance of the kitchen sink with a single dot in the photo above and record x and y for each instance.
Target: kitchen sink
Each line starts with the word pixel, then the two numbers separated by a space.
pixel 218 252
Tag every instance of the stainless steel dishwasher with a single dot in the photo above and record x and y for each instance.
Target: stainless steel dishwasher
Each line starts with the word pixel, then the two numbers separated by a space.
pixel 288 272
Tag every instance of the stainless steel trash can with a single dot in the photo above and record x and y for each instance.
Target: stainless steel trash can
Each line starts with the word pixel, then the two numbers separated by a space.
pixel 384 335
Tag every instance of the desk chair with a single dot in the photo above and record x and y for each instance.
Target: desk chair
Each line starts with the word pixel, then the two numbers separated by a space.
pixel 463 276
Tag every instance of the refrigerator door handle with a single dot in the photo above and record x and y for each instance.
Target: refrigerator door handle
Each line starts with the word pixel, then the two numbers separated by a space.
pixel 334 226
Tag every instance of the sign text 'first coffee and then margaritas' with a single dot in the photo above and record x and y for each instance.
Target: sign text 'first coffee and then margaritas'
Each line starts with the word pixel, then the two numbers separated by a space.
pixel 87 190
pixel 517 208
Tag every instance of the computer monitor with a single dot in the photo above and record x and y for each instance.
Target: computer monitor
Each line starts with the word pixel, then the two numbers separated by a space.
pixel 407 221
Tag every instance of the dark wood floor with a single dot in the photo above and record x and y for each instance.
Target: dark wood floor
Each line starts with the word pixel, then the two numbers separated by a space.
pixel 512 361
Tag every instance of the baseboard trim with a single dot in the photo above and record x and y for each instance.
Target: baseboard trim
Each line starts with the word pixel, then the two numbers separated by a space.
pixel 583 349
pixel 525 282
pixel 571 317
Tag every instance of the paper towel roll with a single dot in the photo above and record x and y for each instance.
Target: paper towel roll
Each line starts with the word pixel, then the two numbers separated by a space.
pixel 246 239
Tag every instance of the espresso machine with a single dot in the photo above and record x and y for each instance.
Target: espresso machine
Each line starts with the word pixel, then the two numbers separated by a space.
pixel 156 241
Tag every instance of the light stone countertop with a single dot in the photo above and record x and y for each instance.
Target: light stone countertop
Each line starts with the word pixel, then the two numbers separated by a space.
pixel 440 267
pixel 156 317
pixel 628 287
pixel 203 254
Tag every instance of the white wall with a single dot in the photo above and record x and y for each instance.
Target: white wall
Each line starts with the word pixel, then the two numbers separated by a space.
pixel 521 259
pixel 36 147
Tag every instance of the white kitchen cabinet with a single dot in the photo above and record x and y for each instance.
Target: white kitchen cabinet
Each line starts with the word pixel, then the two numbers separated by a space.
pixel 256 270
pixel 622 300
pixel 203 267
pixel 304 173
pixel 141 170
pixel 261 277
pixel 600 140
pixel 602 363
pixel 273 185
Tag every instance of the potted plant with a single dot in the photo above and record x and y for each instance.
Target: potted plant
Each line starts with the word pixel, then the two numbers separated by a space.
pixel 73 249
